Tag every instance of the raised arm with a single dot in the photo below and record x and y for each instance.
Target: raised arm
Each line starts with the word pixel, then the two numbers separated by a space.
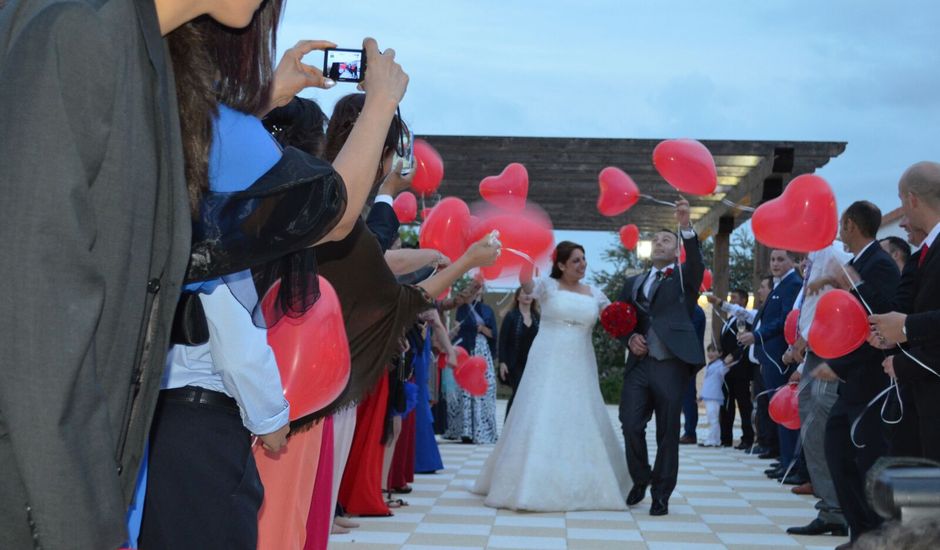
pixel 480 254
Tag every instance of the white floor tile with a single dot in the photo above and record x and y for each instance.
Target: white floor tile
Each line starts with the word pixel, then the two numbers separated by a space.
pixel 548 543
pixel 750 539
pixel 718 502
pixel 606 534
pixel 463 510
pixel 526 521
pixel 673 526
pixel 732 519
pixel 372 537
pixel 454 529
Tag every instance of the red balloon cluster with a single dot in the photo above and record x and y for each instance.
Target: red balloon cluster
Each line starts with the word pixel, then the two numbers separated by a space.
pixel 406 207
pixel 429 169
pixel 840 325
pixel 509 189
pixel 312 352
pixel 471 376
pixel 629 236
pixel 687 165
pixel 791 326
pixel 445 228
pixel 618 319
pixel 784 407
pixel 618 192
pixel 528 231
pixel 803 219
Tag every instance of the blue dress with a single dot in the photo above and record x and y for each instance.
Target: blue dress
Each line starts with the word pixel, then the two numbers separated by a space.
pixel 427 455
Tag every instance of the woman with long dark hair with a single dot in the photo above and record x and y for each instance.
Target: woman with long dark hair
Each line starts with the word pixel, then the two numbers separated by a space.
pixel 520 325
pixel 558 450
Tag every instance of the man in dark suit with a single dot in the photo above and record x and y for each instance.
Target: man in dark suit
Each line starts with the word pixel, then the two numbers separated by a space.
pixel 770 344
pixel 919 189
pixel 664 352
pixel 875 279
pixel 96 235
pixel 738 379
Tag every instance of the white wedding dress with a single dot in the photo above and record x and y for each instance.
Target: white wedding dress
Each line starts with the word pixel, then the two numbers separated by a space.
pixel 558 451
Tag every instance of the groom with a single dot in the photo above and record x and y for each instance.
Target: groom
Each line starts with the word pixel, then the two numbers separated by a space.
pixel 664 353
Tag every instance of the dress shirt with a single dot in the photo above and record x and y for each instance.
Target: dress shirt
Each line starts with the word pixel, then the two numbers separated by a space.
pixel 237 361
pixel 932 236
pixel 387 199
pixel 714 379
pixel 654 272
pixel 819 259
pixel 738 312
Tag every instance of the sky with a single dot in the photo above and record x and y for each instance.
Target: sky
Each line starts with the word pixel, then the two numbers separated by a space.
pixel 863 72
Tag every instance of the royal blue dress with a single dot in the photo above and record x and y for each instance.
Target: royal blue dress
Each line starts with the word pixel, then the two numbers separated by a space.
pixel 427 455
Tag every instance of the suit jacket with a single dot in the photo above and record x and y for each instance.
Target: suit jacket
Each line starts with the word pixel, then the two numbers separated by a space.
pixel 919 326
pixel 862 371
pixel 96 236
pixel 383 223
pixel 671 309
pixel 728 343
pixel 769 342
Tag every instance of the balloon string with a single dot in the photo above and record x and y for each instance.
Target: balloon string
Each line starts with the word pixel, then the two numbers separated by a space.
pixel 870 312
pixel 658 201
pixel 521 254
pixel 796 453
pixel 738 206
pixel 505 297
pixel 858 419
pixel 779 368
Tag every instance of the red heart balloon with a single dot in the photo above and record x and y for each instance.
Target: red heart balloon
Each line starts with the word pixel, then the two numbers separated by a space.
pixel 687 165
pixel 706 280
pixel 840 325
pixel 803 219
pixel 507 190
pixel 629 236
pixel 618 192
pixel 312 352
pixel 784 407
pixel 406 207
pixel 429 169
pixel 462 355
pixel 471 376
pixel 445 228
pixel 528 232
pixel 791 326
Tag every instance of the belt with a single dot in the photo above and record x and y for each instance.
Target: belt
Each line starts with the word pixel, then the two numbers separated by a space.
pixel 199 396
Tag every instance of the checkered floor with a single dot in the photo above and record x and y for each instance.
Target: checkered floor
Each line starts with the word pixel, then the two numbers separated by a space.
pixel 723 500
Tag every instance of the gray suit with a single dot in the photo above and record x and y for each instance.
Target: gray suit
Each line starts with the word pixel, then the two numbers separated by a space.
pixel 95 238
pixel 656 382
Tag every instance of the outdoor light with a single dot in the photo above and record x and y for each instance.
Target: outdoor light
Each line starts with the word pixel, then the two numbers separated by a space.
pixel 644 249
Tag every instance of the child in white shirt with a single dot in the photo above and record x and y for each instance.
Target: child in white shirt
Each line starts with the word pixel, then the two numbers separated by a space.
pixel 713 396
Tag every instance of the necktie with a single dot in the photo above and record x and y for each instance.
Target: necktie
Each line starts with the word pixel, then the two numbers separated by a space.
pixel 923 256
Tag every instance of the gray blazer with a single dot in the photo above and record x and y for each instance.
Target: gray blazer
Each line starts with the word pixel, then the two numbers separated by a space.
pixel 95 233
pixel 670 310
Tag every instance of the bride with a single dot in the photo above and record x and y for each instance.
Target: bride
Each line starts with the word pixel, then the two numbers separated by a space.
pixel 558 451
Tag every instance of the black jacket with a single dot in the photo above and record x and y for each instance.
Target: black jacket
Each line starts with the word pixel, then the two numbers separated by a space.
pixel 861 370
pixel 671 307
pixel 922 323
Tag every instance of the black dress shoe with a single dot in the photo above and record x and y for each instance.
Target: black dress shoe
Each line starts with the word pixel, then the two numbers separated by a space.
pixel 743 446
pixel 795 478
pixel 819 527
pixel 844 546
pixel 660 507
pixel 777 473
pixel 637 494
pixel 687 440
pixel 757 450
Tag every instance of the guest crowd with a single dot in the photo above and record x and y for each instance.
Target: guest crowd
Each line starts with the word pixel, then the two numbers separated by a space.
pixel 169 200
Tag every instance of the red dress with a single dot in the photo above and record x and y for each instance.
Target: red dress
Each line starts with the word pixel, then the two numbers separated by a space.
pixel 360 492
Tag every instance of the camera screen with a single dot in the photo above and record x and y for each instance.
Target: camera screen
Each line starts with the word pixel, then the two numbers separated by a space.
pixel 343 65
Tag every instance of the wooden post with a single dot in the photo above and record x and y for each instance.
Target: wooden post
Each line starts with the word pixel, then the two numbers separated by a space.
pixel 721 270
